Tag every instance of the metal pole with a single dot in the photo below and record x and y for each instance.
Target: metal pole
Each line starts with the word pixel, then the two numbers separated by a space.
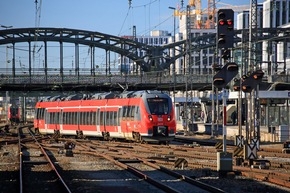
pixel 224 121
pixel 173 52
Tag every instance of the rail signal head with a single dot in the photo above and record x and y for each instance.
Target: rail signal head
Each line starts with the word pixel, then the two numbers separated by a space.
pixel 225 75
pixel 258 75
pixel 219 82
pixel 236 85
pixel 247 88
pixel 225 33
pixel 232 67
pixel 251 81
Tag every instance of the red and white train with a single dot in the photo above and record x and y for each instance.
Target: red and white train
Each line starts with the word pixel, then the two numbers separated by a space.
pixel 136 115
pixel 14 114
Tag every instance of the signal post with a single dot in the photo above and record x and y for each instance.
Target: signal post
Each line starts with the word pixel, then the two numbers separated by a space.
pixel 249 85
pixel 228 70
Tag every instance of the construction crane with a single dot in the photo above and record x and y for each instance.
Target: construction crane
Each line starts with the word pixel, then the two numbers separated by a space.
pixel 196 14
pixel 211 10
pixel 205 18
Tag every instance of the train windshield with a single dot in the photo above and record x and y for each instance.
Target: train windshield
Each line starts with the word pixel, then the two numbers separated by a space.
pixel 14 111
pixel 158 106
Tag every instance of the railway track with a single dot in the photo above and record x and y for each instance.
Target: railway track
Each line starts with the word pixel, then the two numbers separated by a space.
pixel 133 167
pixel 160 177
pixel 37 171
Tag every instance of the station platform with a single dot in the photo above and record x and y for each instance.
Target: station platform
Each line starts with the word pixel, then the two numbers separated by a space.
pixel 203 130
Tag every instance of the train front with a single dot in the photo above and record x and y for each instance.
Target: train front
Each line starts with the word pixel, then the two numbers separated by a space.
pixel 159 117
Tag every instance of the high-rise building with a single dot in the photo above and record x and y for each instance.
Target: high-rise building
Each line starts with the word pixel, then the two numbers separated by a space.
pixel 276 14
pixel 274 57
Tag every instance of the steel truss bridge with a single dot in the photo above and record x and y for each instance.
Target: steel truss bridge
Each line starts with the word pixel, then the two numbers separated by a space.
pixel 153 62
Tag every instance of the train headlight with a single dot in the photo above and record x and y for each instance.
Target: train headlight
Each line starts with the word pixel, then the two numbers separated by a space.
pixel 168 118
pixel 150 117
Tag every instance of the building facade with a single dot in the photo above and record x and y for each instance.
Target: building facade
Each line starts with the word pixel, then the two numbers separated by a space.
pixel 273 57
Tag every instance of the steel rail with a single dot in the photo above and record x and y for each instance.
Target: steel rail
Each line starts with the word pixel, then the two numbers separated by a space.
pixel 150 180
pixel 20 162
pixel 51 163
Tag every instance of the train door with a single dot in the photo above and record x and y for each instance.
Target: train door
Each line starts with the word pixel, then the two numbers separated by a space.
pixel 118 120
pixel 46 119
pixel 98 121
pixel 102 119
pixel 61 120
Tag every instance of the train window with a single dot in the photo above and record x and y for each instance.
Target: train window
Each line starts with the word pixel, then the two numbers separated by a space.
pixel 128 111
pixel 81 118
pixel 101 118
pixel 52 115
pixel 75 118
pixel 109 118
pixel 98 117
pixel 132 112
pixel 93 118
pixel 68 118
pixel 88 118
pixel 40 113
pixel 137 114
pixel 56 118
pixel 124 111
pixel 71 118
pixel 115 118
pixel 158 106
pixel 119 116
pixel 63 117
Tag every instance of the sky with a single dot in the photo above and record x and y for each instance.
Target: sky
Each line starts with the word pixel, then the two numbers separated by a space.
pixel 114 17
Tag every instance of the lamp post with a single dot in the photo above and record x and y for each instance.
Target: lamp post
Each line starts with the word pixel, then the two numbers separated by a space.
pixel 173 53
pixel 173 37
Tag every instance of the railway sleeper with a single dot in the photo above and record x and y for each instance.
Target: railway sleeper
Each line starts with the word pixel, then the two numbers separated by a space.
pixel 35 162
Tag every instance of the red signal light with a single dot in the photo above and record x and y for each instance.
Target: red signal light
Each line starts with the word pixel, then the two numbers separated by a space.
pixel 230 22
pixel 222 22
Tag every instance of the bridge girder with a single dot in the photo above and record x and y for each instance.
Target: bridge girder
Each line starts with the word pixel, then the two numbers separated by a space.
pixel 156 58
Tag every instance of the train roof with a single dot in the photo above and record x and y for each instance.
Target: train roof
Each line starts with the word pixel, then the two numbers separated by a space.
pixel 106 95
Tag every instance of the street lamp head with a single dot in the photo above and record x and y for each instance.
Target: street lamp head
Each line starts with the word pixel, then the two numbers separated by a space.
pixel 6 27
pixel 172 8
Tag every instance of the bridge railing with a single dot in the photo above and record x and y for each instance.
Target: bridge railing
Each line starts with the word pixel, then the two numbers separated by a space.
pixel 101 76
pixel 37 76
